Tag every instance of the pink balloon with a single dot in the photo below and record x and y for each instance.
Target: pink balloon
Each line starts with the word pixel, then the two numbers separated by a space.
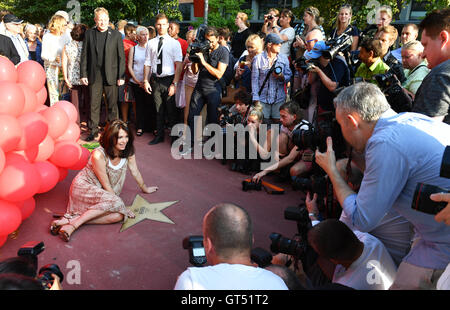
pixel 3 240
pixel 34 128
pixel 58 121
pixel 10 217
pixel 62 173
pixel 70 109
pixel 81 163
pixel 41 96
pixel 10 132
pixel 29 155
pixel 26 207
pixel 45 149
pixel 30 98
pixel 12 98
pixel 49 175
pixel 66 154
pixel 7 70
pixel 2 160
pixel 19 179
pixel 32 74
pixel 72 133
pixel 41 108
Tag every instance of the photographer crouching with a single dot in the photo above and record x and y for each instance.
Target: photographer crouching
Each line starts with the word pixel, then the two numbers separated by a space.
pixel 393 167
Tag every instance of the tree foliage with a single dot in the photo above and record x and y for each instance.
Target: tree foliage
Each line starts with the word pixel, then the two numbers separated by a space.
pixel 222 13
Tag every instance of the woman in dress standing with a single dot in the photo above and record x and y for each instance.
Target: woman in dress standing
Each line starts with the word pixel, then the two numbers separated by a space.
pixel 94 193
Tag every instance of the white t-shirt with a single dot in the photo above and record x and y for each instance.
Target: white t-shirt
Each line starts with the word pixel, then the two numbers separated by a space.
pixel 444 281
pixel 52 47
pixel 373 270
pixel 229 277
pixel 286 45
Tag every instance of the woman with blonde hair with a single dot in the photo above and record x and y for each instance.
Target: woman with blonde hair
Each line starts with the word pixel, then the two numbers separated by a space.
pixel 53 43
pixel 243 67
pixel 343 23
pixel 239 37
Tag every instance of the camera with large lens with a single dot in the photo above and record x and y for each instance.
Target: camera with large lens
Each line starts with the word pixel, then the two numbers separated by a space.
pixel 339 44
pixel 421 201
pixel 29 252
pixel 281 244
pixel 390 86
pixel 261 257
pixel 199 45
pixel 226 117
pixel 197 255
pixel 306 64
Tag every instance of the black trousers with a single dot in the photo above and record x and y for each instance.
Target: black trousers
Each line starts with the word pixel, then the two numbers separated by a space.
pixel 96 90
pixel 163 103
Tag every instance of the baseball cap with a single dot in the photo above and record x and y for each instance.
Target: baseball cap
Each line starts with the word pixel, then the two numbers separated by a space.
pixel 273 38
pixel 317 50
pixel 11 18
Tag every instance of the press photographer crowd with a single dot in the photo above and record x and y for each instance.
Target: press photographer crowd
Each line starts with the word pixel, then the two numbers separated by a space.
pixel 356 121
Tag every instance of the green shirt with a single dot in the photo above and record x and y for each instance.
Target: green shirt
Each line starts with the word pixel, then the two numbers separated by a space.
pixel 367 73
pixel 415 77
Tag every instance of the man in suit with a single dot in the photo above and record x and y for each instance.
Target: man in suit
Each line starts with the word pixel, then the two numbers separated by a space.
pixel 8 49
pixel 102 68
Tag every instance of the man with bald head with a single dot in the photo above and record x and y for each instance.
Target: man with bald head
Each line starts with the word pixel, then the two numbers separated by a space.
pixel 228 240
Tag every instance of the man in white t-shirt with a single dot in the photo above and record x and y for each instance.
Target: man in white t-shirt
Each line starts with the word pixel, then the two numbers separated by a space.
pixel 362 262
pixel 228 239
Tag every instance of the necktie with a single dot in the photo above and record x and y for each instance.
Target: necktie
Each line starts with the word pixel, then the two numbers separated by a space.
pixel 160 56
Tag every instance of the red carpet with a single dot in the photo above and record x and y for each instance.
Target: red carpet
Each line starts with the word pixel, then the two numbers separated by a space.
pixel 149 255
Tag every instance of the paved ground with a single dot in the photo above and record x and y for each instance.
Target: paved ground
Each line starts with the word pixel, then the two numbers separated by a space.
pixel 150 254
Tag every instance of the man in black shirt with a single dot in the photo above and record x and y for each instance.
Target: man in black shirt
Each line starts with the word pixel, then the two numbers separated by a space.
pixel 8 49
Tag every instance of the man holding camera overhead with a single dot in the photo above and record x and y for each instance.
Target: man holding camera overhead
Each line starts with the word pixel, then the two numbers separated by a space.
pixel 270 74
pixel 400 150
pixel 228 241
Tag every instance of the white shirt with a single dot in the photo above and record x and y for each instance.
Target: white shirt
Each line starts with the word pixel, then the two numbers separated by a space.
pixel 19 44
pixel 138 63
pixel 52 47
pixel 373 270
pixel 229 277
pixel 171 51
pixel 444 281
pixel 286 45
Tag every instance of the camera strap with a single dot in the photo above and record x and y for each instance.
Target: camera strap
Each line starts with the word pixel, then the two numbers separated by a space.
pixel 267 76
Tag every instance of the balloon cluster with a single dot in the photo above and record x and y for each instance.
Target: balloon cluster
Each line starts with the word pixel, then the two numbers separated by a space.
pixel 38 144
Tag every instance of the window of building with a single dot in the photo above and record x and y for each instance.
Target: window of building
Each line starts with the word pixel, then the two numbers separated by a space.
pixel 266 5
pixel 418 9
pixel 185 9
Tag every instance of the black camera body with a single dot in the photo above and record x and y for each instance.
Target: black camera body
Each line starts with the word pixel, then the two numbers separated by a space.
pixel 228 117
pixel 30 252
pixel 199 45
pixel 197 255
pixel 339 44
pixel 421 201
pixel 306 65
pixel 261 257
pixel 251 186
pixel 390 85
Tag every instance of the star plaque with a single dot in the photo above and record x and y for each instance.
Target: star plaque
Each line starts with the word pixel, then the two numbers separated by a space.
pixel 145 210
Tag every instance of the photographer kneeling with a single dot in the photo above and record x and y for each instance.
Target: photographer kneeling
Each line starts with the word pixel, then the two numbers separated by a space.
pixel 291 119
pixel 393 167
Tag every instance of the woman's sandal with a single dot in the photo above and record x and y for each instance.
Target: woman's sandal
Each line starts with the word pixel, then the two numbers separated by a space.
pixel 65 236
pixel 54 227
pixel 139 132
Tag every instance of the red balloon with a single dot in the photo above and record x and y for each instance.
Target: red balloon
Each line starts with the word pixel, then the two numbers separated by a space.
pixel 49 176
pixel 19 179
pixel 7 70
pixel 66 154
pixel 10 217
pixel 3 240
pixel 62 173
pixel 41 96
pixel 30 98
pixel 26 207
pixel 2 160
pixel 58 121
pixel 10 132
pixel 34 127
pixel 32 74
pixel 45 149
pixel 70 109
pixel 72 133
pixel 81 163
pixel 12 98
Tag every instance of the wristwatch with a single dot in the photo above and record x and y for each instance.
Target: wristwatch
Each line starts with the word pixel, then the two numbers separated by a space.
pixel 175 84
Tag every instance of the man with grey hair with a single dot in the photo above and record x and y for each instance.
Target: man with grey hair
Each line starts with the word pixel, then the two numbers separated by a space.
pixel 228 240
pixel 400 150
pixel 415 67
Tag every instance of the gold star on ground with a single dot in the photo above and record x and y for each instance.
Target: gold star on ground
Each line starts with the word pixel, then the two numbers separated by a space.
pixel 145 210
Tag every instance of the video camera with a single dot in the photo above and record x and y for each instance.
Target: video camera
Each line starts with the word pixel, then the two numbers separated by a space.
pixel 199 45
pixel 27 258
pixel 421 201
pixel 197 255
pixel 228 117
pixel 339 44
pixel 390 86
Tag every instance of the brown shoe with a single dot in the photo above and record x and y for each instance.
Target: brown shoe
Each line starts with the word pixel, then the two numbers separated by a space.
pixel 65 236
